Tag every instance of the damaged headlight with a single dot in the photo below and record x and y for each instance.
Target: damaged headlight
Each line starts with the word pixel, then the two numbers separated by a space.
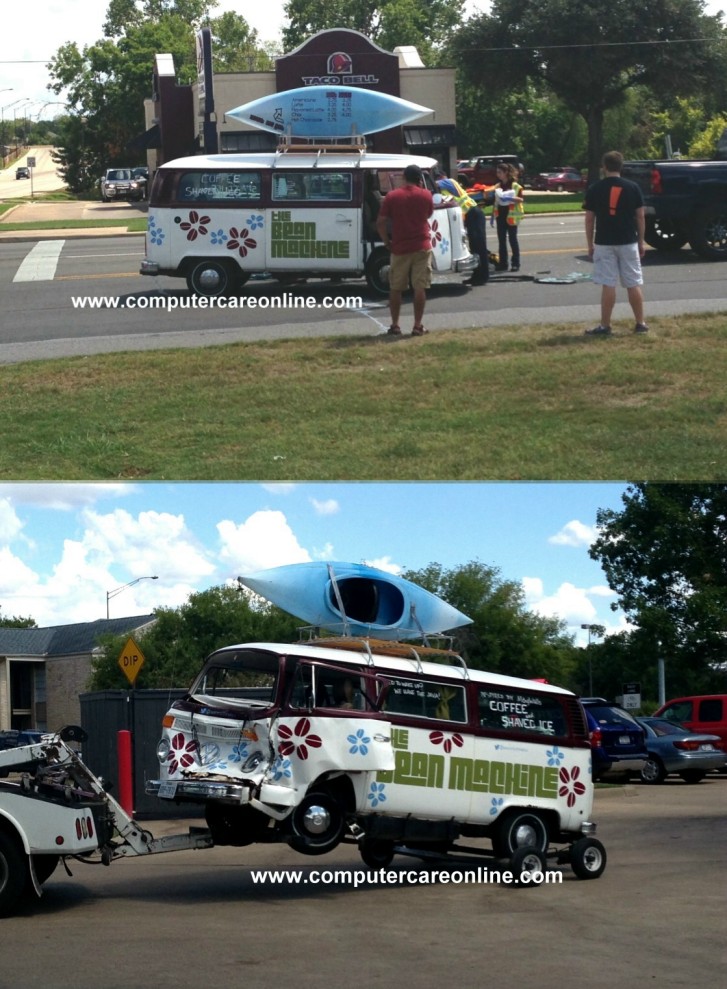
pixel 253 761
pixel 163 749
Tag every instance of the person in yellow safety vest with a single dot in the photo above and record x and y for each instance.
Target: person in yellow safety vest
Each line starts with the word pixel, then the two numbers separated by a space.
pixel 474 222
pixel 507 214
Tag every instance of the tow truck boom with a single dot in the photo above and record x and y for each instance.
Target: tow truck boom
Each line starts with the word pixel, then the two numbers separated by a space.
pixel 55 807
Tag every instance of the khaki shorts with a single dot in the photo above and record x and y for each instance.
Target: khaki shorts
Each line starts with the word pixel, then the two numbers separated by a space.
pixel 416 267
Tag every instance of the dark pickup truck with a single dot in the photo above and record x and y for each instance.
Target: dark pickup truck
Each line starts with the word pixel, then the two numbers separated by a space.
pixel 686 202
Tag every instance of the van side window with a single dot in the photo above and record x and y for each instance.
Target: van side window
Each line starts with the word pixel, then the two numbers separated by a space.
pixel 422 699
pixel 710 709
pixel 307 186
pixel 521 711
pixel 199 186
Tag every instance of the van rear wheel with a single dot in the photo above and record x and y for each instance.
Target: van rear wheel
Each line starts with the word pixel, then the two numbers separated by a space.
pixel 377 854
pixel 519 829
pixel 210 277
pixel 377 271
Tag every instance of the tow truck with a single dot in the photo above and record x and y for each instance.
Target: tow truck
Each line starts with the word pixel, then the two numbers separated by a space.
pixel 54 809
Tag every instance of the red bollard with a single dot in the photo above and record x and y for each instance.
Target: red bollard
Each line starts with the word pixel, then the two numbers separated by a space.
pixel 126 776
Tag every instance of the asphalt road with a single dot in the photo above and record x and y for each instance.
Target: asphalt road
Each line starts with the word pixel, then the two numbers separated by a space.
pixel 189 919
pixel 41 320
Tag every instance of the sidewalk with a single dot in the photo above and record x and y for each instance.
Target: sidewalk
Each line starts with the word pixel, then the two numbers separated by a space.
pixel 43 212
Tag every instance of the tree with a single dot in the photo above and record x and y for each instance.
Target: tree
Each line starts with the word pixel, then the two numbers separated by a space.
pixel 665 555
pixel 591 54
pixel 108 81
pixel 180 639
pixel 425 24
pixel 504 637
pixel 17 621
pixel 235 45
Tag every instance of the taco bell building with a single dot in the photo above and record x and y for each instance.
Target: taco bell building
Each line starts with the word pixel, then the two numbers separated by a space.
pixel 183 120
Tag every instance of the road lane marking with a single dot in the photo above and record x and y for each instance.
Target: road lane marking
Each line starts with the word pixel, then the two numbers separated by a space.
pixel 40 265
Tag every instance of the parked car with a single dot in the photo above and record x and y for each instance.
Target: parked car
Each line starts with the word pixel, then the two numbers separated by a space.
pixel 560 180
pixel 618 742
pixel 675 749
pixel 119 183
pixel 21 172
pixel 483 169
pixel 13 738
pixel 705 713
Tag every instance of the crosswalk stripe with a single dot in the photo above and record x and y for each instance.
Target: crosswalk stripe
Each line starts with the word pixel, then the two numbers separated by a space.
pixel 41 263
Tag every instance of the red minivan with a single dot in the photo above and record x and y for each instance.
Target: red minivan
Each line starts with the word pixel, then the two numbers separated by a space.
pixel 704 713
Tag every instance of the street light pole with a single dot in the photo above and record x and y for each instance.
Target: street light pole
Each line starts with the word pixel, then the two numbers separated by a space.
pixel 118 590
pixel 596 629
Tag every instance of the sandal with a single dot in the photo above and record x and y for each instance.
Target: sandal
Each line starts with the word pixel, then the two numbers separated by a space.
pixel 394 330
pixel 419 331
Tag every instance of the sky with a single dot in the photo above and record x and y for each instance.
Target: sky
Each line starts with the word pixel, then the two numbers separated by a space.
pixel 27 43
pixel 64 547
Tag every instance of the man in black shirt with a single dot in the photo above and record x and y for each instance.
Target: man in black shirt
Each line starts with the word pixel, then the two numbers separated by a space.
pixel 615 211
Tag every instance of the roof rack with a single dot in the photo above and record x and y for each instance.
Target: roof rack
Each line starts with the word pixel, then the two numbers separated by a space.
pixel 356 144
pixel 390 647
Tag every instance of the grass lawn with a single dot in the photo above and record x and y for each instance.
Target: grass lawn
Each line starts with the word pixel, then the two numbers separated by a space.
pixel 498 403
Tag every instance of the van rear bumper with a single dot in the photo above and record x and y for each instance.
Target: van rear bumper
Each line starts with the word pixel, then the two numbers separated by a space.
pixel 148 267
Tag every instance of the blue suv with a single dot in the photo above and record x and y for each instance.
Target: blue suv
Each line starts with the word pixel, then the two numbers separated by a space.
pixel 618 742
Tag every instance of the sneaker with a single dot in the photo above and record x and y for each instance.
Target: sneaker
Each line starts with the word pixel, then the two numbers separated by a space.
pixel 514 267
pixel 394 331
pixel 641 328
pixel 419 331
pixel 599 331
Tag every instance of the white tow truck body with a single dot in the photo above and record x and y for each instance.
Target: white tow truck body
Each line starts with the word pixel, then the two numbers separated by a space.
pixel 53 807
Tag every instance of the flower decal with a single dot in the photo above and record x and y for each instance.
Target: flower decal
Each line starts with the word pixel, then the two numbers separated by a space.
pixel 446 741
pixel 444 246
pixel 218 237
pixel 376 794
pixel 571 787
pixel 359 742
pixel 496 805
pixel 281 769
pixel 241 241
pixel 254 222
pixel 196 225
pixel 181 755
pixel 239 752
pixel 297 740
pixel 555 756
pixel 436 233
pixel 156 236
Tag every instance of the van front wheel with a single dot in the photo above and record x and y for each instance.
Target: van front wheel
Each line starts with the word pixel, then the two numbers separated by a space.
pixel 212 278
pixel 519 829
pixel 317 823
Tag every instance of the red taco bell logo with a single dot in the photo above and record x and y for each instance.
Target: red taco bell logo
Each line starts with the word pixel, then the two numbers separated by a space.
pixel 340 63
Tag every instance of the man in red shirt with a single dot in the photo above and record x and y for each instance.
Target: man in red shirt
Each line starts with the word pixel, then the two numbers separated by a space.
pixel 403 226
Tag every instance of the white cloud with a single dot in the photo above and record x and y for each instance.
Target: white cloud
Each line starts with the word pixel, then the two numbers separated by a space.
pixel 263 540
pixel 279 489
pixel 328 507
pixel 63 497
pixel 10 525
pixel 574 533
pixel 384 563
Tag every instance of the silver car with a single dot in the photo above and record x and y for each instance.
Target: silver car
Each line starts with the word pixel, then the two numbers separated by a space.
pixel 675 749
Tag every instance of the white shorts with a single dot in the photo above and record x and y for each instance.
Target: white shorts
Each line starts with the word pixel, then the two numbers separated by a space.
pixel 617 262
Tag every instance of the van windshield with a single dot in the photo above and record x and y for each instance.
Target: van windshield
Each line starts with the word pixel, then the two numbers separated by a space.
pixel 246 677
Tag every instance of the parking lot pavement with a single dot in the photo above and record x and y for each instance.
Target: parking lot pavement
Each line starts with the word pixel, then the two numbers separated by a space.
pixel 173 921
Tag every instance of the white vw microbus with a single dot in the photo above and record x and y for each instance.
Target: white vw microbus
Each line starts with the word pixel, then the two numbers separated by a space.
pixel 218 219
pixel 384 744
